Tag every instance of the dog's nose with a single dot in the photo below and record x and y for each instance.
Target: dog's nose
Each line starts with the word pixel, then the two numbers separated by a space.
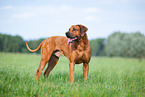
pixel 68 35
pixel 67 32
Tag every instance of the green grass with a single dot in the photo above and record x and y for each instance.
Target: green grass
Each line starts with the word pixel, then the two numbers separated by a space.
pixel 108 77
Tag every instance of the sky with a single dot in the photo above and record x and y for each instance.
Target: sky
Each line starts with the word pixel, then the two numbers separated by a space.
pixel 35 19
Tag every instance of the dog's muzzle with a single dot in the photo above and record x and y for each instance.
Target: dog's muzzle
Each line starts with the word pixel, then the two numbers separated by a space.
pixel 68 35
pixel 71 39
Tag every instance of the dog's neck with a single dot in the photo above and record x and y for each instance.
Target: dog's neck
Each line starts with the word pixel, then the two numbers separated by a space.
pixel 82 43
pixel 84 39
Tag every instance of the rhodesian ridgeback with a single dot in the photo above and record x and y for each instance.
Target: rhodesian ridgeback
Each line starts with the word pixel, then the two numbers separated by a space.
pixel 75 46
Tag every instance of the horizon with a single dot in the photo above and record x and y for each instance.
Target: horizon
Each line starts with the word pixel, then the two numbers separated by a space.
pixel 56 35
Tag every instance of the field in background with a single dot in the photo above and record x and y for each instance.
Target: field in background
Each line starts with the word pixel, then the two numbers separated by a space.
pixel 108 77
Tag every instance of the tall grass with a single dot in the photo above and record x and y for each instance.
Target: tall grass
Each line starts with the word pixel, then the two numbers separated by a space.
pixel 108 77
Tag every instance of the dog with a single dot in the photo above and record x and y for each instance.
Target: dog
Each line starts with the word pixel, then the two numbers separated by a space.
pixel 75 46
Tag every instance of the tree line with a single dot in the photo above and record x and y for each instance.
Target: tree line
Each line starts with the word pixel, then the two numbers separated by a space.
pixel 117 44
pixel 16 43
pixel 120 44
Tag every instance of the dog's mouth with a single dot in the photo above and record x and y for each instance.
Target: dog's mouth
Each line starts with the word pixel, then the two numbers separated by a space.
pixel 71 39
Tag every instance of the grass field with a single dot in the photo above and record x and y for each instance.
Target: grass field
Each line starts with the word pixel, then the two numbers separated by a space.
pixel 108 77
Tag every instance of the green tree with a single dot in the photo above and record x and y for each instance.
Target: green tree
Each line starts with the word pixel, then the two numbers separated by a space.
pixel 10 43
pixel 97 47
pixel 125 45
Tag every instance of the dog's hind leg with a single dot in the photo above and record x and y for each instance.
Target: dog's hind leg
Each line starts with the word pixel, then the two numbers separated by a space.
pixel 46 53
pixel 41 66
pixel 51 64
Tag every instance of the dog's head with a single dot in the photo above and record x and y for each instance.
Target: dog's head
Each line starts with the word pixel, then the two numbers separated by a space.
pixel 76 32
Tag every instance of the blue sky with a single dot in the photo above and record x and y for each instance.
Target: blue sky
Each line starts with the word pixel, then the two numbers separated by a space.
pixel 34 19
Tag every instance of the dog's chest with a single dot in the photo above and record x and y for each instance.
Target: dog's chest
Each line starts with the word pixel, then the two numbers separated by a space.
pixel 81 50
pixel 81 47
pixel 81 56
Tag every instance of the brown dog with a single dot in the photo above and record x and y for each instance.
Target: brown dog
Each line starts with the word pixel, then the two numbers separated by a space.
pixel 75 47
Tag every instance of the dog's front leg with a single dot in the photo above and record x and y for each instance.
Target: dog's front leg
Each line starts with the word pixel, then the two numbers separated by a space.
pixel 85 70
pixel 71 69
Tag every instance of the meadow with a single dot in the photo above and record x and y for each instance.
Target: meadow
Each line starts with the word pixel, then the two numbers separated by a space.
pixel 108 77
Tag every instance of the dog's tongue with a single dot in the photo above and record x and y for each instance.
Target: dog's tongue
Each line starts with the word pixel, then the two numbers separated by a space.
pixel 71 40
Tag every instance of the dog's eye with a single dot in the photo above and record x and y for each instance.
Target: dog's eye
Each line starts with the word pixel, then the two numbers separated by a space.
pixel 74 29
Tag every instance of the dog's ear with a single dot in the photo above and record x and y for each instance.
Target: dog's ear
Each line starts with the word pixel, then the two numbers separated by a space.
pixel 83 30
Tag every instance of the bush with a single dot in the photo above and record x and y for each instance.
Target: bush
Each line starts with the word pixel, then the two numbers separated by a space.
pixel 125 45
pixel 97 47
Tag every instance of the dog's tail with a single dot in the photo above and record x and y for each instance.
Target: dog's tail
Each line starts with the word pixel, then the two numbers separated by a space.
pixel 35 49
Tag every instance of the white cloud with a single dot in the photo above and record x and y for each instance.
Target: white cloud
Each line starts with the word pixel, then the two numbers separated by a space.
pixel 91 18
pixel 91 10
pixel 23 15
pixel 7 7
pixel 65 8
